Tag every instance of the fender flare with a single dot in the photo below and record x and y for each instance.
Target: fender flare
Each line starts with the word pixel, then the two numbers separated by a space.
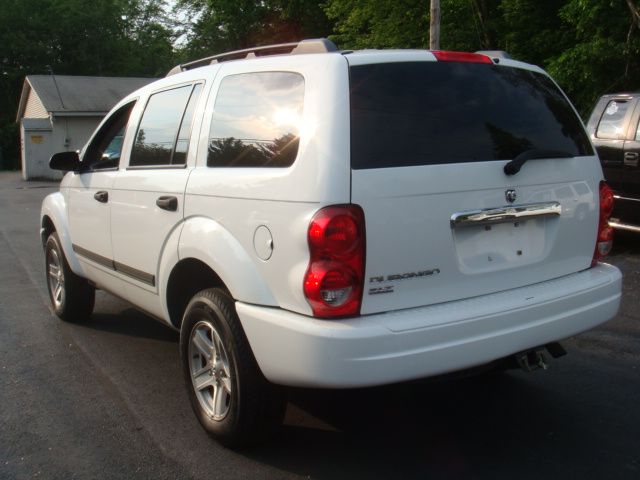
pixel 208 241
pixel 168 260
pixel 54 207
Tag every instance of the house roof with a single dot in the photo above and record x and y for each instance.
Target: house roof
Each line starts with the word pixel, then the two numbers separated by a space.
pixel 77 95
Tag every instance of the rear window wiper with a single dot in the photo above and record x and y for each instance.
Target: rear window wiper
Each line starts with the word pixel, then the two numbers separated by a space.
pixel 515 165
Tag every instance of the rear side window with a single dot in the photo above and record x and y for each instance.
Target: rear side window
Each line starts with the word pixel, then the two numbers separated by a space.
pixel 256 120
pixel 426 113
pixel 612 120
pixel 164 131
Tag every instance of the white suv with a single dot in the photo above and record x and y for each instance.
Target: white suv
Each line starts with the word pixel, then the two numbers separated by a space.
pixel 310 217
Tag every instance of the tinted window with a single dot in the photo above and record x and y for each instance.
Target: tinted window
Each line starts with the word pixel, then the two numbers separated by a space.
pixel 184 135
pixel 611 122
pixel 106 146
pixel 256 120
pixel 427 113
pixel 161 122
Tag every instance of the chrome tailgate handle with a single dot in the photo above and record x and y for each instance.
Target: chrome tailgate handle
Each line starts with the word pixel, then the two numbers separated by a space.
pixel 490 216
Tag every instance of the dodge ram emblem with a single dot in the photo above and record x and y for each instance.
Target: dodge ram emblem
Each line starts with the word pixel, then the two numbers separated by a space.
pixel 510 195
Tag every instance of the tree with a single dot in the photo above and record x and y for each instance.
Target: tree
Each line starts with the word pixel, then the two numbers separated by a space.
pixel 532 30
pixel 77 37
pixel 434 25
pixel 217 26
pixel 380 23
pixel 604 55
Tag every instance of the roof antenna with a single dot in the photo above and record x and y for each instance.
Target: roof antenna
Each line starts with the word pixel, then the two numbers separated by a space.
pixel 50 70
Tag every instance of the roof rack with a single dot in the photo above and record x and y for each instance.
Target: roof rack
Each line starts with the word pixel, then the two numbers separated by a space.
pixel 315 45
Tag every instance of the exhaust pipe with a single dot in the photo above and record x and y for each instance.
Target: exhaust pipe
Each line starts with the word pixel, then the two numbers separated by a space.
pixel 536 358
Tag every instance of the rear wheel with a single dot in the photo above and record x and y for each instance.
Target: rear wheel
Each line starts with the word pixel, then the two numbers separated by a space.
pixel 229 395
pixel 72 298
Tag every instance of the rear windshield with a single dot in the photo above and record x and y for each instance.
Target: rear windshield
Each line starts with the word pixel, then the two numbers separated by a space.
pixel 426 113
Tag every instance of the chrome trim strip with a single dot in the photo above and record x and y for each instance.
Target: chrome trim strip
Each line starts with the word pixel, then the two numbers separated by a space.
pixel 490 216
pixel 626 199
pixel 116 266
pixel 624 226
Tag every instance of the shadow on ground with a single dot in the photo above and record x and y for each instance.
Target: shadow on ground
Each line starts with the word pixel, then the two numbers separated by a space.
pixel 132 323
pixel 465 428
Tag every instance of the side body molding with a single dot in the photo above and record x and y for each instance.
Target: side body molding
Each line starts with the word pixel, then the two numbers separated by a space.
pixel 208 241
pixel 54 206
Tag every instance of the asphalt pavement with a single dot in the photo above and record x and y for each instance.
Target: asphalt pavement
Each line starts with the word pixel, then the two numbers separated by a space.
pixel 106 399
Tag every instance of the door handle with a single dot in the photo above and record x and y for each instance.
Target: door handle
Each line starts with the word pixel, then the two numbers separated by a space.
pixel 631 159
pixel 167 203
pixel 101 196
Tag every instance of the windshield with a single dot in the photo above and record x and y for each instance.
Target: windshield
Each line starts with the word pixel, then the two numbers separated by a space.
pixel 425 113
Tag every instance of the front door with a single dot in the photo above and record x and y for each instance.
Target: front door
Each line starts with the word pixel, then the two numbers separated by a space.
pixel 90 194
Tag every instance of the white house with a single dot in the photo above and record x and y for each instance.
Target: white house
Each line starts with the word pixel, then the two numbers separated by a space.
pixel 59 112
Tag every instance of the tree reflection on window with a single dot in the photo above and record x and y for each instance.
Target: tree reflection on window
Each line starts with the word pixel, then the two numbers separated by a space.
pixel 256 120
pixel 231 152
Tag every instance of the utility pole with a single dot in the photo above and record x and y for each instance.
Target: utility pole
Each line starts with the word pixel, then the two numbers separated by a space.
pixel 434 25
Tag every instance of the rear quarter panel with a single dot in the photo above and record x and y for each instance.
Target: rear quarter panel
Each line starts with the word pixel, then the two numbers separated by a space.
pixel 239 200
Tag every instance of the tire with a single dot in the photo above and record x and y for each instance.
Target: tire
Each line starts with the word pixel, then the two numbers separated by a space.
pixel 71 296
pixel 229 395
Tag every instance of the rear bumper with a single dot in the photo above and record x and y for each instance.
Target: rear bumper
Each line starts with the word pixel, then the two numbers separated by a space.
pixel 626 214
pixel 297 350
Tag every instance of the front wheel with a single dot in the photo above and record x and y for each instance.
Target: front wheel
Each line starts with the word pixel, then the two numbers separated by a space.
pixel 229 395
pixel 72 297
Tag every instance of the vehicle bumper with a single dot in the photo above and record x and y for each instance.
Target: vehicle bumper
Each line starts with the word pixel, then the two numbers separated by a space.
pixel 296 350
pixel 626 214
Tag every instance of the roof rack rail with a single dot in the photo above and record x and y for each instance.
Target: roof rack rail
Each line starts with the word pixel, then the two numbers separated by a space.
pixel 315 45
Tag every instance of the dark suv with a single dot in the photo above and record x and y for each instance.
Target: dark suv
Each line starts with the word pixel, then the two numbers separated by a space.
pixel 615 132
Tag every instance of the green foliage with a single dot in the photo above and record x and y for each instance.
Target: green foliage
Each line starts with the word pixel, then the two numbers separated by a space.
pixel 604 56
pixel 380 24
pixel 77 37
pixel 217 26
pixel 589 46
pixel 532 30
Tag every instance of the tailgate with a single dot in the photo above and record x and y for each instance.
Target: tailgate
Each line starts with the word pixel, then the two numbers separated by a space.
pixel 429 141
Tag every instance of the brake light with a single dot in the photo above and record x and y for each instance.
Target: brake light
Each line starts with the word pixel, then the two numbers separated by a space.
pixel 334 279
pixel 445 56
pixel 604 242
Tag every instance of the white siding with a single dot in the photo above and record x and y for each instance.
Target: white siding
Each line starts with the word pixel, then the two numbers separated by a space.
pixel 34 107
pixel 41 139
pixel 35 137
pixel 71 133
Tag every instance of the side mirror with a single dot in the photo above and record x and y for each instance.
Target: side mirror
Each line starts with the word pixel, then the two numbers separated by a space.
pixel 65 161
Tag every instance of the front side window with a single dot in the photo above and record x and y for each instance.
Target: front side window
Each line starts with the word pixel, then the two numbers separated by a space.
pixel 612 120
pixel 256 120
pixel 106 147
pixel 164 131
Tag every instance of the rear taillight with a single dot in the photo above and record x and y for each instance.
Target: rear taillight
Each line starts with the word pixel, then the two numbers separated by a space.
pixel 444 56
pixel 334 280
pixel 604 242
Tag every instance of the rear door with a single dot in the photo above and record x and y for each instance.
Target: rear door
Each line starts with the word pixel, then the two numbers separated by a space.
pixel 148 197
pixel 429 141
